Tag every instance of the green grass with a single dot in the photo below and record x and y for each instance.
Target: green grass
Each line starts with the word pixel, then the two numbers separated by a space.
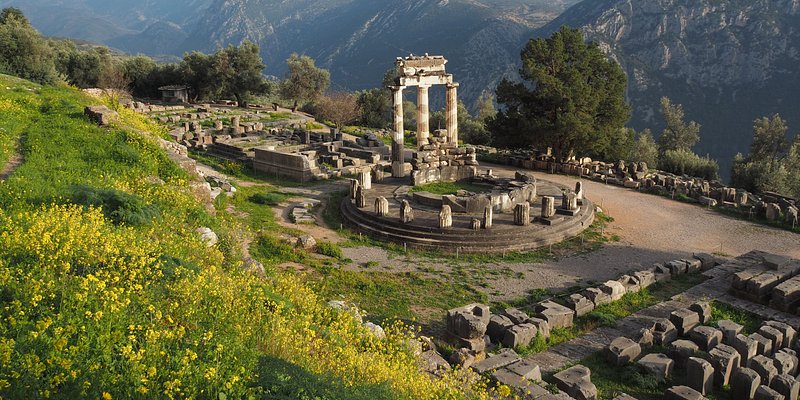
pixel 246 172
pixel 450 187
pixel 750 322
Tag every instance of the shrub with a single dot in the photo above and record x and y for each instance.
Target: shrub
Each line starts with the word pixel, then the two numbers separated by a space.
pixel 268 199
pixel 119 207
pixel 329 249
pixel 684 162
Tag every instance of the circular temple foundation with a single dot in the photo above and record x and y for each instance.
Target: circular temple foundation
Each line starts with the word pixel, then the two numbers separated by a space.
pixel 516 221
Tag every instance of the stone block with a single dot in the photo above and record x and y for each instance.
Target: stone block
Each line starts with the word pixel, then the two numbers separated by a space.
pixel 725 359
pixel 680 351
pixel 468 322
pixel 664 332
pixel 765 393
pixel 579 304
pixel 707 261
pixel 462 358
pixel 519 335
pixel 622 351
pixel 676 267
pixel 597 296
pixel 706 337
pixel 646 278
pixel 789 333
pixel 684 320
pixel 433 362
pixel 624 396
pixel 516 316
pixel 693 265
pixel 787 386
pixel 476 345
pixel 786 296
pixel 774 335
pixel 764 344
pixel 497 361
pixel 703 309
pixel 614 289
pixel 699 375
pixel 526 369
pixel 498 324
pixel 657 364
pixel 682 393
pixel 744 384
pixel 576 382
pixel 747 348
pixel 765 368
pixel 542 326
pixel 630 283
pixel 729 330
pixel 556 315
pixel 644 337
pixel 785 362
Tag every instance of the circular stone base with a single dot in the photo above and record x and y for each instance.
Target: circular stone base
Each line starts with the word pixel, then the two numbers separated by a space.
pixel 424 232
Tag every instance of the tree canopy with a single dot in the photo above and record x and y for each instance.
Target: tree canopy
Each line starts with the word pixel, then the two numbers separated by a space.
pixel 678 135
pixel 238 70
pixel 23 51
pixel 304 82
pixel 773 163
pixel 571 98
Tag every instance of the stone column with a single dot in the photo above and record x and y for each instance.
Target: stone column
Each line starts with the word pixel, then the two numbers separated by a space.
pixel 569 201
pixel 488 215
pixel 475 224
pixel 381 206
pixel 406 212
pixel 451 113
pixel 218 125
pixel 354 185
pixel 397 137
pixel 548 207
pixel 522 214
pixel 423 128
pixel 365 179
pixel 579 190
pixel 361 201
pixel 445 217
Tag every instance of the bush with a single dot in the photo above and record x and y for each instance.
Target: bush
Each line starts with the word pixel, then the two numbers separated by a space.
pixel 119 207
pixel 684 162
pixel 329 249
pixel 268 199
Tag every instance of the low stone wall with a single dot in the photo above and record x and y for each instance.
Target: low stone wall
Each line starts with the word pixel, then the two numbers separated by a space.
pixel 295 166
pixel 441 161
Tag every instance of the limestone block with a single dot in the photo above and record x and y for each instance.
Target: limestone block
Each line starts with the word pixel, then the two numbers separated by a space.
pixel 445 217
pixel 597 296
pixel 787 386
pixel 703 309
pixel 676 267
pixel 700 375
pixel 707 201
pixel 684 320
pixel 747 348
pixel 765 368
pixel 646 278
pixel 765 393
pixel 707 261
pixel 542 326
pixel 764 344
pixel 496 361
pixel 657 364
pixel 433 362
pixel 488 215
pixel 744 384
pixel 519 335
pixel 526 369
pixel 622 351
pixel 682 393
pixel 624 396
pixel 522 214
pixel 579 304
pixel 644 337
pixel 516 316
pixel 725 359
pixel 354 185
pixel 576 382
pixel 693 265
pixel 630 283
pixel 785 362
pixel 475 224
pixel 497 327
pixel 548 207
pixel 556 315
pixel 469 321
pixel 729 330
pixel 774 335
pixel 381 206
pixel 789 333
pixel 361 201
pixel 680 351
pixel 773 211
pixel 706 337
pixel 406 212
pixel 614 289
pixel 664 332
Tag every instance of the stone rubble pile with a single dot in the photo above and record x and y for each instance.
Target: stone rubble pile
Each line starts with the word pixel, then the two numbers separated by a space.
pixel 775 281
pixel 442 161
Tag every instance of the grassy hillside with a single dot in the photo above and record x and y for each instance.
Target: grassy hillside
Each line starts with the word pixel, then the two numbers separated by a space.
pixel 106 290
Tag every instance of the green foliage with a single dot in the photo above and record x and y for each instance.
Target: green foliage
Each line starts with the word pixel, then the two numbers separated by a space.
pixel 750 322
pixel 81 68
pixel 118 206
pixel 678 135
pixel 23 52
pixel 573 98
pixel 238 71
pixel 304 82
pixel 450 187
pixel 685 162
pixel 329 249
pixel 269 198
pixel 773 161
pixel 376 108
pixel 645 149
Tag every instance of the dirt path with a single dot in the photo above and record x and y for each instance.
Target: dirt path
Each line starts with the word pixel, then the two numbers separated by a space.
pixel 14 162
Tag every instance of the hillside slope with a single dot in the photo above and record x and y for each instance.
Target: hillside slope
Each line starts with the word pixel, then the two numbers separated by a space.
pixel 108 290
pixel 728 62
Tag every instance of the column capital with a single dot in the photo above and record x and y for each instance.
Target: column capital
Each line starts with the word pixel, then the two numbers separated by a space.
pixel 451 85
pixel 397 87
pixel 424 86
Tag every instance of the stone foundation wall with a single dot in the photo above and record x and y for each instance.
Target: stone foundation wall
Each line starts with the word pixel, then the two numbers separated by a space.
pixel 441 161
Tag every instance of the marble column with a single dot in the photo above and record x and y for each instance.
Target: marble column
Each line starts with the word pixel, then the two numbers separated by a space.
pixel 423 125
pixel 451 113
pixel 397 137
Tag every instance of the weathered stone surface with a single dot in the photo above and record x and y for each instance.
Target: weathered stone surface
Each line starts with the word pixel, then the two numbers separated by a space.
pixel 764 344
pixel 774 335
pixel 101 115
pixel 381 206
pixel 725 359
pixel 765 368
pixel 622 351
pixel 526 369
pixel 516 316
pixel 680 351
pixel 657 364
pixel 519 335
pixel 706 337
pixel 576 382
pixel 579 304
pixel 496 361
pixel 542 326
pixel 433 362
pixel 522 214
pixel 729 330
pixel 556 315
pixel 684 320
pixel 644 337
pixel 497 326
pixel 787 386
pixel 548 207
pixel 630 283
pixel 614 289
pixel 747 348
pixel 765 393
pixel 785 362
pixel 597 296
pixel 744 384
pixel 646 278
pixel 664 332
pixel 682 393
pixel 406 212
pixel 703 309
pixel 789 333
pixel 624 396
pixel 306 242
pixel 676 267
pixel 445 217
pixel 699 375
pixel 463 358
pixel 469 322
pixel 706 260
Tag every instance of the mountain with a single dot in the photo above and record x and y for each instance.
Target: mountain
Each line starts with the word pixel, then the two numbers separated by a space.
pixel 727 61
